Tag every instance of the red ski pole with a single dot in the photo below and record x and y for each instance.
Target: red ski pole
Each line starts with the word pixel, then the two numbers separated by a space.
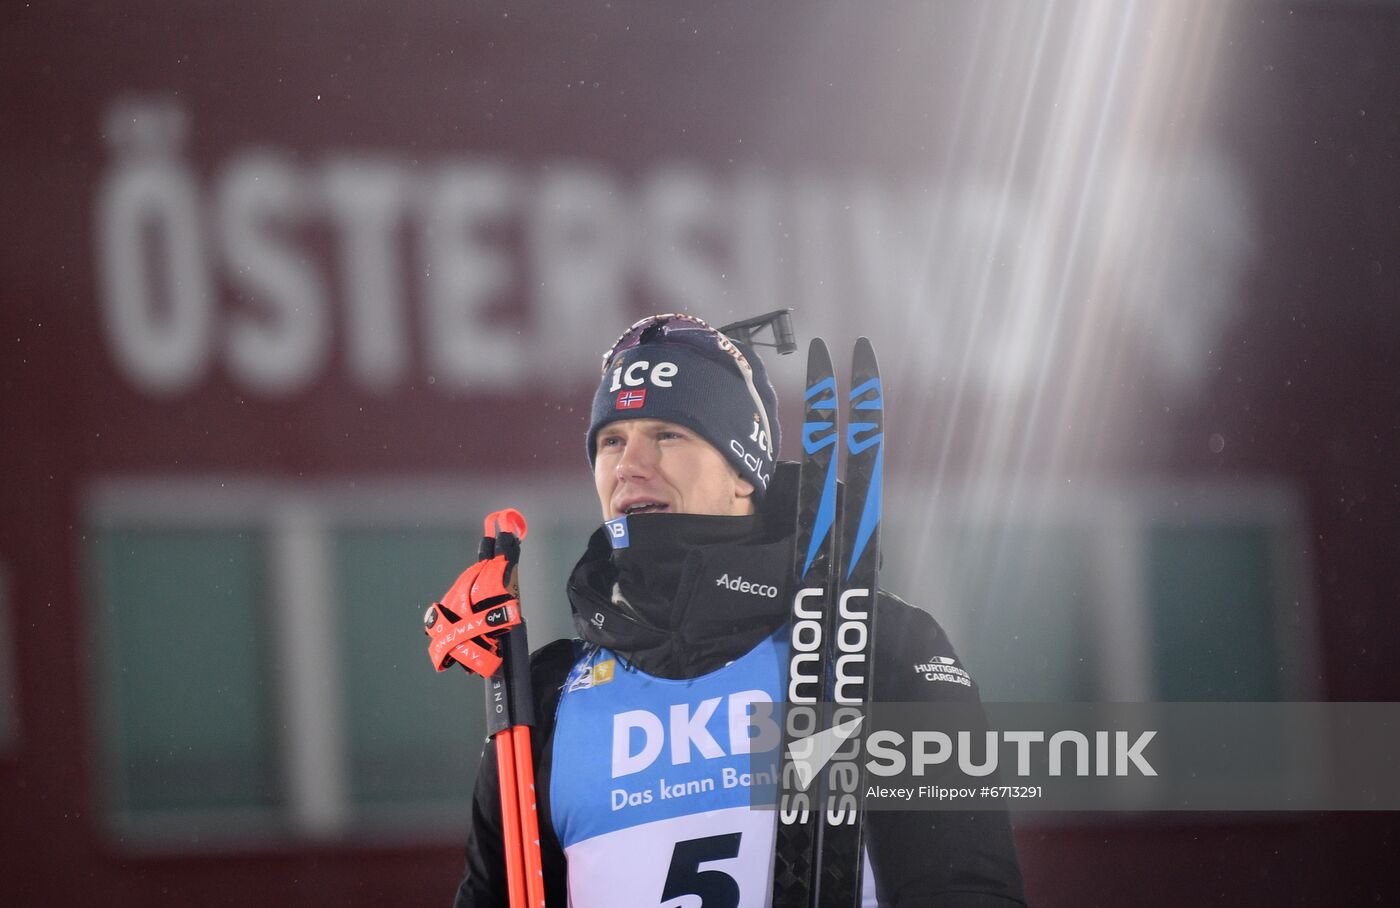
pixel 485 601
pixel 509 714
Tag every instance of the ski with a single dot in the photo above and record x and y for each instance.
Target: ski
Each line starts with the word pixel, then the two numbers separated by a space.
pixel 819 854
pixel 840 856
pixel 794 879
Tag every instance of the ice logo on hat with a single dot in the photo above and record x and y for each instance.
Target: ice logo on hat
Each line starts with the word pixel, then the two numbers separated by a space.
pixel 641 372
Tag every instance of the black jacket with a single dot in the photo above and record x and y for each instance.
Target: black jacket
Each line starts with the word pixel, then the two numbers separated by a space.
pixel 942 858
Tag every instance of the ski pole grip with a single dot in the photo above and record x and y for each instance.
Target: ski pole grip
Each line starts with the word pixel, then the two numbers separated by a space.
pixel 517 672
pixel 499 711
pixel 509 699
pixel 509 694
pixel 507 544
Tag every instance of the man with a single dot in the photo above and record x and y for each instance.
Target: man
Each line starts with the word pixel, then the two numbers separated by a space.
pixel 680 602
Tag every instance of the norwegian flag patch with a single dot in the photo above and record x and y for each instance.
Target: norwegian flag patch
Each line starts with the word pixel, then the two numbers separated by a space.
pixel 631 400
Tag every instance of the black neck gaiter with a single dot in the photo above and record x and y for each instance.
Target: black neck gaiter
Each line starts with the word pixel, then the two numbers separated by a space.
pixel 690 592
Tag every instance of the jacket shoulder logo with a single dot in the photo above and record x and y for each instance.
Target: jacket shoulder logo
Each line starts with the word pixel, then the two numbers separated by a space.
pixel 943 668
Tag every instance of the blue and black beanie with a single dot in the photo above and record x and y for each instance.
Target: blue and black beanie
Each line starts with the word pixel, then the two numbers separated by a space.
pixel 689 378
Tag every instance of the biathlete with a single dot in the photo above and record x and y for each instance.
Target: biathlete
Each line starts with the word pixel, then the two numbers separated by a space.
pixel 681 602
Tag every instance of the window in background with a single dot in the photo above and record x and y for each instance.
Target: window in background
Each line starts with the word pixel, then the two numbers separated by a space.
pixel 1116 593
pixel 1221 612
pixel 186 694
pixel 404 737
pixel 264 675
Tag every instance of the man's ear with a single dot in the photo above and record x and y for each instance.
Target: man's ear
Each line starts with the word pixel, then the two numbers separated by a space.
pixel 742 487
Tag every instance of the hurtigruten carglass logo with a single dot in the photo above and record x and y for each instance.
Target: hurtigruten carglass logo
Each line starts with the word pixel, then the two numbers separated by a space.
pixel 944 668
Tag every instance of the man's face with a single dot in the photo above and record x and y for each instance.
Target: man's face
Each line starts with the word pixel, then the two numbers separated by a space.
pixel 651 466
